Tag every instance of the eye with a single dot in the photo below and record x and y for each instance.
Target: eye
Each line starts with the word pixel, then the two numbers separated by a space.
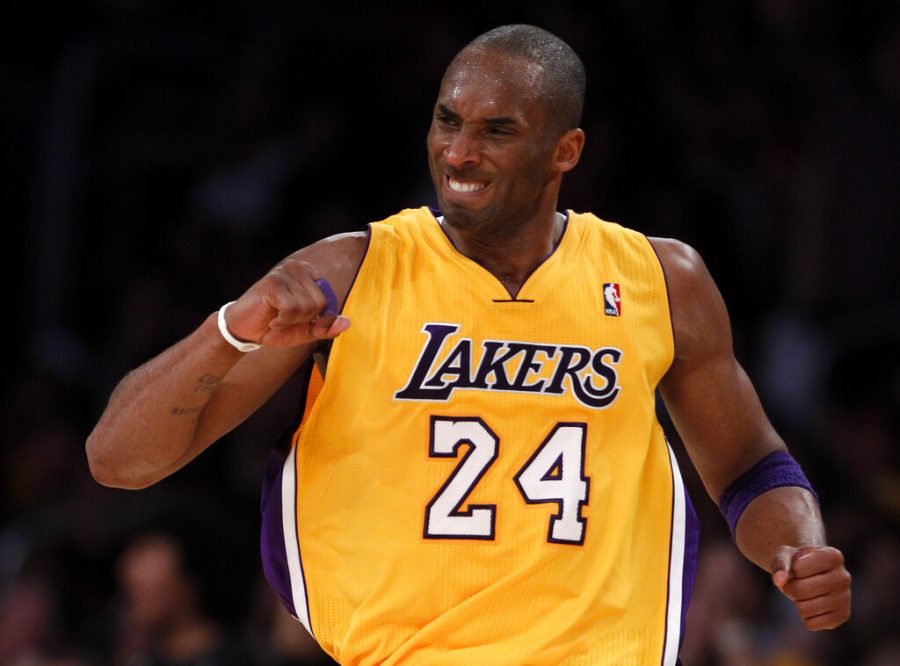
pixel 447 122
pixel 495 130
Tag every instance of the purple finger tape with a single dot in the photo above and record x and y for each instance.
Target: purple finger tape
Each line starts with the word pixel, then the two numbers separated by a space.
pixel 331 307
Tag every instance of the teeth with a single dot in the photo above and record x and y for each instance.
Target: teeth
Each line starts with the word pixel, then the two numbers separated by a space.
pixel 458 186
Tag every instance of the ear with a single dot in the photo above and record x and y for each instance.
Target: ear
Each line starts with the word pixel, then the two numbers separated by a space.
pixel 568 149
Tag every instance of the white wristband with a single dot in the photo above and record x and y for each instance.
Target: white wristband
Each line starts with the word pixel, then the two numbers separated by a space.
pixel 240 345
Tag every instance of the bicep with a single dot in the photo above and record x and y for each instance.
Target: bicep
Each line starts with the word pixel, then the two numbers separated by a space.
pixel 708 395
pixel 718 415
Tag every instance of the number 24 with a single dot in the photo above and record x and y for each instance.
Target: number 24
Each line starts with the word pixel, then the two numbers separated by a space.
pixel 554 474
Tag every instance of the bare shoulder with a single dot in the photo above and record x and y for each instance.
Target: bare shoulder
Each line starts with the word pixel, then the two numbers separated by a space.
pixel 699 316
pixel 679 260
pixel 336 258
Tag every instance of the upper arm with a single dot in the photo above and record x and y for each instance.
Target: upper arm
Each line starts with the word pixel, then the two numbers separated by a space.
pixel 707 393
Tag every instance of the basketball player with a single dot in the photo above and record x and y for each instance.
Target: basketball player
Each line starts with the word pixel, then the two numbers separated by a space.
pixel 481 478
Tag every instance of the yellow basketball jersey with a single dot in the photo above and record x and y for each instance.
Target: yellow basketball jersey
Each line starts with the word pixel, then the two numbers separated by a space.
pixel 482 479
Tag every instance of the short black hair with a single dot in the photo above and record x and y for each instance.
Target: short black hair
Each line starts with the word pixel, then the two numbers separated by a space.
pixel 564 78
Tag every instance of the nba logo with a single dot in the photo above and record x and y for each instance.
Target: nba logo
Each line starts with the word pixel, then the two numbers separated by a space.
pixel 612 299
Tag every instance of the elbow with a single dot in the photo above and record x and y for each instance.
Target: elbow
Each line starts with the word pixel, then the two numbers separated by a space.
pixel 108 472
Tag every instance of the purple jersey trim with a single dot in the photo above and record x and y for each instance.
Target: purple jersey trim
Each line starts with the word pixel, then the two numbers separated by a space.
pixel 359 267
pixel 662 268
pixel 691 548
pixel 273 549
pixel 272 546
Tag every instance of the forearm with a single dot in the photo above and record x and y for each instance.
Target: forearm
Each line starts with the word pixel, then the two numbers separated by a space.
pixel 781 516
pixel 149 428
pixel 767 500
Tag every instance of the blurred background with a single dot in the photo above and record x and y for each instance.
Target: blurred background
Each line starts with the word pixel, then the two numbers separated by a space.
pixel 159 156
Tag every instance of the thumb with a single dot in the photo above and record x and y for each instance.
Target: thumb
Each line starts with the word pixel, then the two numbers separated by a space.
pixel 782 566
pixel 329 327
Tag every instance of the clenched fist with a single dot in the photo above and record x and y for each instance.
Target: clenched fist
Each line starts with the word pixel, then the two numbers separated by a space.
pixel 287 307
pixel 815 579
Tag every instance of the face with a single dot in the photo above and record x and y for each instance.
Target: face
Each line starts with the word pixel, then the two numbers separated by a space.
pixel 154 588
pixel 490 147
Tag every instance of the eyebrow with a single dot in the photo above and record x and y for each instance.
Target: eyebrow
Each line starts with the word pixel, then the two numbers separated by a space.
pixel 447 113
pixel 499 121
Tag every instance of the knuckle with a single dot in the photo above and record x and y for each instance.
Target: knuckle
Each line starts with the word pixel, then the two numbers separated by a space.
pixel 275 280
pixel 296 266
pixel 808 609
pixel 790 589
pixel 820 622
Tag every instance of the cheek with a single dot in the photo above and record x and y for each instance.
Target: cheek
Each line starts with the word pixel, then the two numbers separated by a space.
pixel 541 160
pixel 433 170
pixel 433 149
pixel 435 141
pixel 531 174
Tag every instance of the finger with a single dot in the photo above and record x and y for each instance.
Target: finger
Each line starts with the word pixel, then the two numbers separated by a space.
pixel 827 620
pixel 837 613
pixel 328 324
pixel 305 332
pixel 331 307
pixel 329 327
pixel 821 605
pixel 306 301
pixel 324 301
pixel 302 301
pixel 801 589
pixel 811 562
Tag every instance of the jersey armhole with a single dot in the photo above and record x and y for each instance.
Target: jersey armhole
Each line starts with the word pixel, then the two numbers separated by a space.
pixel 668 300
pixel 323 350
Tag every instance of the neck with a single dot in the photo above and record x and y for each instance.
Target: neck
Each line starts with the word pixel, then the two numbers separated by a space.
pixel 513 254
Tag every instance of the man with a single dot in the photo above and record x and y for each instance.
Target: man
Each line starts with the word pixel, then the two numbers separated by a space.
pixel 482 478
pixel 175 609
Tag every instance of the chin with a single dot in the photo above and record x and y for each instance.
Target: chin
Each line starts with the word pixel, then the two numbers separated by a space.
pixel 461 217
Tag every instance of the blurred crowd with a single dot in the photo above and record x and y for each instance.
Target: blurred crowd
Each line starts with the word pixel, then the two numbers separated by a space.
pixel 160 156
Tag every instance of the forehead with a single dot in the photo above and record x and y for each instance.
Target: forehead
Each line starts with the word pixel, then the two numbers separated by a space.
pixel 484 83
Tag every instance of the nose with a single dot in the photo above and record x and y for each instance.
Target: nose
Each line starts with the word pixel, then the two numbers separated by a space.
pixel 462 149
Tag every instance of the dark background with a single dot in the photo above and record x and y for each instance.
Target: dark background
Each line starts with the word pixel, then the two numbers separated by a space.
pixel 159 156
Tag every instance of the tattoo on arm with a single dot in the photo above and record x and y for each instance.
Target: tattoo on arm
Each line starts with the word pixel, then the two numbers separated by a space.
pixel 207 384
pixel 185 411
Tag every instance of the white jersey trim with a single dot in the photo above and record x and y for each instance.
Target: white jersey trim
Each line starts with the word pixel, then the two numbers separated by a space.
pixel 292 539
pixel 676 565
